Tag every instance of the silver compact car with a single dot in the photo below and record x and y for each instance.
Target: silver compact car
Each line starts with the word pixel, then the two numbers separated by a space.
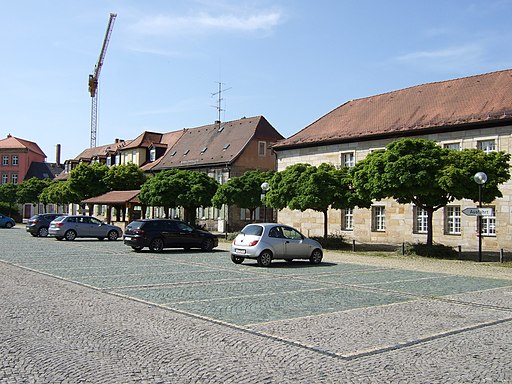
pixel 268 241
pixel 71 227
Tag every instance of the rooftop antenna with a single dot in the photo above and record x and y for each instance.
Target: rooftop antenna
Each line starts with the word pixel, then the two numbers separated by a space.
pixel 219 100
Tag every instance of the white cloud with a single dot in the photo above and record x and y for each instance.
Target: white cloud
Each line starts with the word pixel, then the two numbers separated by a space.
pixel 168 25
pixel 460 53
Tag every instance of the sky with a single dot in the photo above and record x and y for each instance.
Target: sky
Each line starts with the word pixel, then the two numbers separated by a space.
pixel 291 61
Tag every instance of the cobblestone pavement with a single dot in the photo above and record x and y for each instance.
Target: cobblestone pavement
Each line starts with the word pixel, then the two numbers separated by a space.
pixel 96 312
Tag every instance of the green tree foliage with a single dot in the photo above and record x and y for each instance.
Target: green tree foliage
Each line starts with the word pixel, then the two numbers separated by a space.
pixel 243 191
pixel 124 177
pixel 29 190
pixel 8 195
pixel 179 188
pixel 420 172
pixel 59 192
pixel 304 186
pixel 88 180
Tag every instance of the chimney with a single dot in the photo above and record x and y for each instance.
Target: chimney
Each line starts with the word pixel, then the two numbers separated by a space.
pixel 57 154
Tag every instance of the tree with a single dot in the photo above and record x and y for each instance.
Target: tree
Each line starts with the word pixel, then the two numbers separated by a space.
pixel 59 192
pixel 420 172
pixel 87 181
pixel 124 177
pixel 8 195
pixel 179 188
pixel 243 191
pixel 29 190
pixel 304 186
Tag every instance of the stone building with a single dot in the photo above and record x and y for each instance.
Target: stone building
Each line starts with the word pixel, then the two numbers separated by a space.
pixel 471 112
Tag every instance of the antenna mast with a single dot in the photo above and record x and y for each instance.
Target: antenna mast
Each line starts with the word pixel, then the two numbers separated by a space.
pixel 219 100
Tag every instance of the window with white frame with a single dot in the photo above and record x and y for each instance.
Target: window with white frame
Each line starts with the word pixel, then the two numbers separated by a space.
pixel 487 145
pixel 118 159
pixel 489 224
pixel 109 161
pixel 5 160
pixel 378 218
pixel 420 220
pixel 262 148
pixel 14 178
pixel 14 160
pixel 452 219
pixel 347 219
pixel 452 146
pixel 5 178
pixel 152 154
pixel 348 159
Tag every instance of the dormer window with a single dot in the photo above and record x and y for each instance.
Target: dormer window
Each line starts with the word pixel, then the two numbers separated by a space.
pixel 173 154
pixel 152 154
pixel 226 146
pixel 186 152
pixel 204 149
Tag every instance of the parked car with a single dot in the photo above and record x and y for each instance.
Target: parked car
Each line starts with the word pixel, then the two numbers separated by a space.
pixel 38 225
pixel 269 241
pixel 6 221
pixel 71 227
pixel 158 234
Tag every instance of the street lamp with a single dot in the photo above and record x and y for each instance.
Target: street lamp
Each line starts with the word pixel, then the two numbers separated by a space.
pixel 480 178
pixel 265 187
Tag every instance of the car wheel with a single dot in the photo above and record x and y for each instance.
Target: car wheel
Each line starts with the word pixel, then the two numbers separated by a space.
pixel 316 256
pixel 207 244
pixel 265 258
pixel 156 245
pixel 113 235
pixel 137 248
pixel 70 235
pixel 8 225
pixel 43 232
pixel 237 259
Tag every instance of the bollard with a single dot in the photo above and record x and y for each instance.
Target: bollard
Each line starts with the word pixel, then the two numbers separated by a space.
pixel 501 255
pixel 460 252
pixel 353 245
pixel 403 249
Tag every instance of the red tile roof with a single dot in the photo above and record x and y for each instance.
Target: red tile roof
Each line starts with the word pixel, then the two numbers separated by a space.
pixel 115 197
pixel 12 142
pixel 484 98
pixel 101 150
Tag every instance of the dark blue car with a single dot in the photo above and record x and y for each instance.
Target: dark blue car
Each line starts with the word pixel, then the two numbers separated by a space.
pixel 6 222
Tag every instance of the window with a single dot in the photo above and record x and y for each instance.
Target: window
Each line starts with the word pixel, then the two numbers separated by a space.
pixel 109 161
pixel 420 220
pixel 489 224
pixel 348 159
pixel 14 160
pixel 452 220
pixel 14 178
pixel 347 219
pixel 262 148
pixel 378 218
pixel 487 145
pixel 118 159
pixel 5 160
pixel 5 178
pixel 453 146
pixel 134 156
pixel 152 154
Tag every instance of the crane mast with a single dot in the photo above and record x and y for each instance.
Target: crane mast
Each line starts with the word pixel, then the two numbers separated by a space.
pixel 94 80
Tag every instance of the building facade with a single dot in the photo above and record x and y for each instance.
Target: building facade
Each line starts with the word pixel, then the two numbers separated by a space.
pixel 473 112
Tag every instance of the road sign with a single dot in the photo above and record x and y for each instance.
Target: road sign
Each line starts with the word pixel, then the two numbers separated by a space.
pixel 477 211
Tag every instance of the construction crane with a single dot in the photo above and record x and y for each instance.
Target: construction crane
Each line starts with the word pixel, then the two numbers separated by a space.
pixel 94 78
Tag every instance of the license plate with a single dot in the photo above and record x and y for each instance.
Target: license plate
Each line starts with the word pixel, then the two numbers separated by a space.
pixel 127 238
pixel 237 250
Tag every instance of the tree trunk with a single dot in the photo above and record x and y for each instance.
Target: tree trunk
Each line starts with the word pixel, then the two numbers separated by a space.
pixel 430 226
pixel 325 224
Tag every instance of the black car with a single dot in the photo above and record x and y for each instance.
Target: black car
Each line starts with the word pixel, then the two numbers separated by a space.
pixel 38 225
pixel 158 234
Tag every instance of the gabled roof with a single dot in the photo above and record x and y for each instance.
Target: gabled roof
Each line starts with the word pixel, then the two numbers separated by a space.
pixel 101 150
pixel 144 140
pixel 167 141
pixel 449 104
pixel 12 142
pixel 42 170
pixel 216 143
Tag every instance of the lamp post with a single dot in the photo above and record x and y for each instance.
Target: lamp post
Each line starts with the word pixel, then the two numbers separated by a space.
pixel 265 187
pixel 480 178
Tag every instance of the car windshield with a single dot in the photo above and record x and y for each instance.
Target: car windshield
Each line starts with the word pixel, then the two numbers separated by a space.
pixel 255 230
